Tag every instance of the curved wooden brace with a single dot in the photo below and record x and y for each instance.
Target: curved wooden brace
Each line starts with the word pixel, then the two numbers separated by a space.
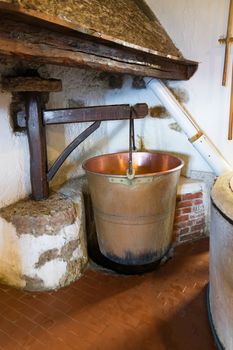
pixel 69 149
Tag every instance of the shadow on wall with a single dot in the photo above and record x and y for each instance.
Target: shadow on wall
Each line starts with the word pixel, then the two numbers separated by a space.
pixel 74 162
pixel 140 145
pixel 69 169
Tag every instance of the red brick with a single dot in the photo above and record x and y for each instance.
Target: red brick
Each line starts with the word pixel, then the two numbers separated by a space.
pixel 183 224
pixel 186 210
pixel 184 230
pixel 197 215
pixel 179 225
pixel 198 234
pixel 200 221
pixel 192 237
pixel 184 204
pixel 184 238
pixel 181 218
pixel 198 202
pixel 197 227
pixel 192 222
pixel 195 224
pixel 178 212
pixel 191 195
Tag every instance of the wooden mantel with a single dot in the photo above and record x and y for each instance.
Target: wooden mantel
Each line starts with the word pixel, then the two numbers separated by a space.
pixel 120 36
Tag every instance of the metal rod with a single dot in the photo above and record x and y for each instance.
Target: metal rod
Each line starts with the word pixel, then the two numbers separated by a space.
pixel 133 134
pixel 60 160
pixel 131 142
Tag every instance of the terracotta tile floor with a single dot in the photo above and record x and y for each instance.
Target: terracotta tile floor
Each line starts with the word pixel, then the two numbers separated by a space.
pixel 161 310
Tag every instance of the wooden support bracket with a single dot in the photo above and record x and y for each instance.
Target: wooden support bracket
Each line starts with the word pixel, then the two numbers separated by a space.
pixel 37 118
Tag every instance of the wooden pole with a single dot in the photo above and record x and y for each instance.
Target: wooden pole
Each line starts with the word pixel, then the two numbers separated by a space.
pixel 228 43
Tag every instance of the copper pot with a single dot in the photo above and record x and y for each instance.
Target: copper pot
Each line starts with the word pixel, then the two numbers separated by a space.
pixel 134 216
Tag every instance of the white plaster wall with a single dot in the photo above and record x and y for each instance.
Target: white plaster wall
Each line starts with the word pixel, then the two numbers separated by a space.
pixel 88 88
pixel 80 85
pixel 14 158
pixel 195 27
pixel 155 132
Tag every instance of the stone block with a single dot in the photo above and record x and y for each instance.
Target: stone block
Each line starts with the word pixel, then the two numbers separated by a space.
pixel 42 244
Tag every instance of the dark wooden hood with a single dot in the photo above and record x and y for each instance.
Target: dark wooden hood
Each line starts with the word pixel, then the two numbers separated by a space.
pixel 121 36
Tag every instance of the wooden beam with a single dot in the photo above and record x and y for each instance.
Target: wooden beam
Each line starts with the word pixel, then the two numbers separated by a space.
pixel 91 114
pixel 28 42
pixel 37 146
pixel 228 43
pixel 23 84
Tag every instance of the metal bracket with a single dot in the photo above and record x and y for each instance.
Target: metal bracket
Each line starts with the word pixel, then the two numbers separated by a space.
pixel 130 182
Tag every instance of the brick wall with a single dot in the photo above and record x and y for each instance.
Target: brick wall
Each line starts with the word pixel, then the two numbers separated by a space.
pixel 191 212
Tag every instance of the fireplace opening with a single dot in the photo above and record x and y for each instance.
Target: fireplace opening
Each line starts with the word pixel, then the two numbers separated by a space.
pixel 111 165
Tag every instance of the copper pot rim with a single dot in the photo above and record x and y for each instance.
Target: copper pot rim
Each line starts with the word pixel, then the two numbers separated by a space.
pixel 157 173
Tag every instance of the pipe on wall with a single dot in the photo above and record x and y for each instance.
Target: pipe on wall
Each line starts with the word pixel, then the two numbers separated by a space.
pixel 195 135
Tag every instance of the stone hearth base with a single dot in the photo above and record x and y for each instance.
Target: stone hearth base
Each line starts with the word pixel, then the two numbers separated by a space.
pixel 42 244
